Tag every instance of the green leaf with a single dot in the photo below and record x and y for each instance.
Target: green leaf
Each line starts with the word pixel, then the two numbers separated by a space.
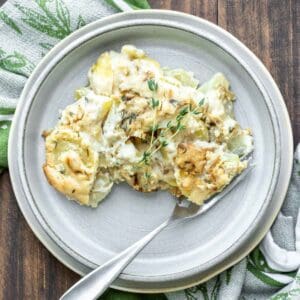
pixel 47 22
pixel 54 20
pixel 228 275
pixel 154 103
pixel 9 22
pixel 145 158
pixel 182 113
pixel 63 13
pixel 152 84
pixel 281 296
pixel 216 289
pixel 48 29
pixel 294 292
pixel 2 53
pixel 12 62
pixel 154 127
pixel 32 15
pixel 134 4
pixel 15 63
pixel 287 295
pixel 111 2
pixel 169 125
pixel 203 289
pixel 4 133
pixel 259 261
pixel 138 4
pixel 163 142
pixel 180 127
pixel 189 294
pixel 201 102
pixel 41 3
pixel 42 23
pixel 291 274
pixel 80 22
pixel 46 46
pixel 263 277
pixel 7 110
pixel 297 279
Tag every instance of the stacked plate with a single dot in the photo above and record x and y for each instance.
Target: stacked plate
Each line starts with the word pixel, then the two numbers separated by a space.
pixel 185 253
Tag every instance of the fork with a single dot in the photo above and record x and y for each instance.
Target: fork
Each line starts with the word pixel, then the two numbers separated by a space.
pixel 94 284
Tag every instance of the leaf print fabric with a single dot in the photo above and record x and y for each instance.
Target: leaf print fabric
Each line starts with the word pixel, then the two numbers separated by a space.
pixel 52 18
pixel 16 63
pixel 28 30
pixel 8 21
pixel 133 4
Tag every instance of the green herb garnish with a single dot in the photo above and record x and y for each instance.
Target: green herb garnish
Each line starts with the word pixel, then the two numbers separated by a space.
pixel 182 113
pixel 160 141
pixel 201 102
pixel 152 84
pixel 154 103
pixel 154 128
pixel 163 142
pixel 145 158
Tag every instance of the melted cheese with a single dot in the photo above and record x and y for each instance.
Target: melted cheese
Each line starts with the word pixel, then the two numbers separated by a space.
pixel 148 126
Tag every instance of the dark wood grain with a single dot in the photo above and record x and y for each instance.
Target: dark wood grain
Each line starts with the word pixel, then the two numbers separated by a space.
pixel 27 269
pixel 271 29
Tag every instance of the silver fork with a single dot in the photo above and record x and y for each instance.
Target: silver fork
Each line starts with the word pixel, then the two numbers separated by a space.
pixel 93 285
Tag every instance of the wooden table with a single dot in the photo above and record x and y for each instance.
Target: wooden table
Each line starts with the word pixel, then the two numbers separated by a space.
pixel 271 29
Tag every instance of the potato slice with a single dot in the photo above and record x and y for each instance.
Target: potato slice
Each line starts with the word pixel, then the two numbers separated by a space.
pixel 202 171
pixel 71 164
pixel 101 75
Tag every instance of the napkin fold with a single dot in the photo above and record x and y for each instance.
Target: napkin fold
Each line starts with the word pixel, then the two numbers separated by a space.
pixel 28 29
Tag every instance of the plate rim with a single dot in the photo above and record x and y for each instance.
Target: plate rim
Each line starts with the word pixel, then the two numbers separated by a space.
pixel 84 32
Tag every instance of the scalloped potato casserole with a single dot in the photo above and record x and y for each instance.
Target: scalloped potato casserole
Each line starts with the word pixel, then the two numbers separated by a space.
pixel 152 127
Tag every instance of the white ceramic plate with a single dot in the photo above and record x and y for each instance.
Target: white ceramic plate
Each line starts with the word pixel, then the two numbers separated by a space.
pixel 186 253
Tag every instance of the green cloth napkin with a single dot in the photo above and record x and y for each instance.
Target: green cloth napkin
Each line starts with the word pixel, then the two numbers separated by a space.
pixel 28 29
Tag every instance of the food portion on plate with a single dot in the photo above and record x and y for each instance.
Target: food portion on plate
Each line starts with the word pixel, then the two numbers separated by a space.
pixel 152 127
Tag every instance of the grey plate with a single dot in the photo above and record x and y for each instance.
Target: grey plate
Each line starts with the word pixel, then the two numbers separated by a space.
pixel 191 251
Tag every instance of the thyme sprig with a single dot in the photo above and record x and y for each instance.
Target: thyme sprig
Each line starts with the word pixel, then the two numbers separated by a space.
pixel 174 126
pixel 152 84
pixel 154 104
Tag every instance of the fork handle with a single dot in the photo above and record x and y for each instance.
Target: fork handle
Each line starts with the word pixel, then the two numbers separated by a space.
pixel 93 285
